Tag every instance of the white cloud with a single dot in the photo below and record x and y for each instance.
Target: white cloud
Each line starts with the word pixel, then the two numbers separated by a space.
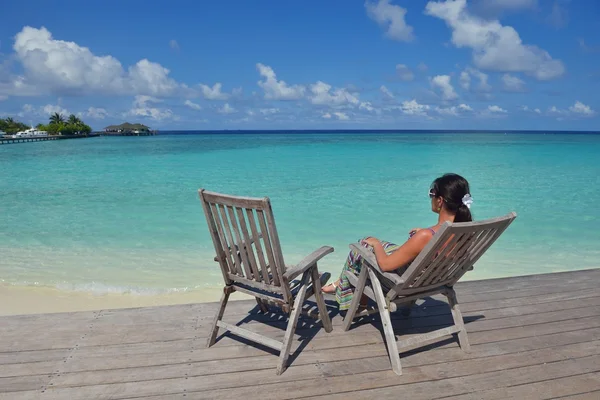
pixel 226 109
pixel 576 110
pixel 413 108
pixel 386 92
pixel 143 106
pixel 465 80
pixel 50 109
pixel 454 110
pixel 341 116
pixel 513 83
pixel 326 116
pixel 537 110
pixel 366 105
pixel 404 72
pixel 442 82
pixel 57 66
pixel 496 109
pixel 277 90
pixel 422 67
pixel 96 113
pixel 268 111
pixel 213 93
pixel 173 44
pixel 495 47
pixel 323 95
pixel 391 18
pixel 582 109
pixel 192 105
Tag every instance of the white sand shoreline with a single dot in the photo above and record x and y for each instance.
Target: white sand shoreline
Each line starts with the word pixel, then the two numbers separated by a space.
pixel 17 300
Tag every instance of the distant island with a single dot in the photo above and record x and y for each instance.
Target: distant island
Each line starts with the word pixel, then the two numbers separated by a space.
pixel 57 125
pixel 127 129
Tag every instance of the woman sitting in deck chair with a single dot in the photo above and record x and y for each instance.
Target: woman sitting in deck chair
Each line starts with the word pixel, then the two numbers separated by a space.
pixel 450 198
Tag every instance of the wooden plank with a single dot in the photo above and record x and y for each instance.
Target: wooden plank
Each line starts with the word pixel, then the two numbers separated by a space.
pixel 569 358
pixel 416 384
pixel 545 389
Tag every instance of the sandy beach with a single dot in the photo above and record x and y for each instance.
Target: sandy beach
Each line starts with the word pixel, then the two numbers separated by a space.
pixel 35 300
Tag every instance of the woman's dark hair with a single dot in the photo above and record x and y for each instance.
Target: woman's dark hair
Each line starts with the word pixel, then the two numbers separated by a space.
pixel 452 188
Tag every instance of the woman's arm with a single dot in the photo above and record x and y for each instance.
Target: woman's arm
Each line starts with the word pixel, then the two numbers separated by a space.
pixel 405 254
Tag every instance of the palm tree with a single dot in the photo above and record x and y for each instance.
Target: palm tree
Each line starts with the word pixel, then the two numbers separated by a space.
pixel 9 121
pixel 57 118
pixel 73 120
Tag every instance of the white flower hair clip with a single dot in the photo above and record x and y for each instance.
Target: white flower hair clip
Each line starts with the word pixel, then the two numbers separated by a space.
pixel 467 200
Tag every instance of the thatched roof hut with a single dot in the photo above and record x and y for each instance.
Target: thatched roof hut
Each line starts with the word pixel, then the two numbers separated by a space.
pixel 127 127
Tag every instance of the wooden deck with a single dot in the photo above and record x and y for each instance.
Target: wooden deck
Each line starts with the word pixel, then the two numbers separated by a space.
pixel 535 337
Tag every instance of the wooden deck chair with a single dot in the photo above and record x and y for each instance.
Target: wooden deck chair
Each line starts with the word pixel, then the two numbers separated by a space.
pixel 248 251
pixel 445 259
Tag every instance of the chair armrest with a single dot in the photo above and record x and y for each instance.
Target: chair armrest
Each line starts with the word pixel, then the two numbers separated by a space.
pixel 307 262
pixel 371 260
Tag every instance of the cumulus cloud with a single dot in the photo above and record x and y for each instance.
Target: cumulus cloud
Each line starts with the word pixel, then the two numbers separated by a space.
pixel 454 110
pixel 96 113
pixel 496 109
pixel 391 18
pixel 226 109
pixel 213 93
pixel 322 94
pixel 268 111
pixel 62 67
pixel 404 72
pixel 277 90
pixel 513 83
pixel 413 108
pixel 495 47
pixel 341 116
pixel 465 80
pixel 192 105
pixel 581 109
pixel 326 116
pixel 145 106
pixel 442 82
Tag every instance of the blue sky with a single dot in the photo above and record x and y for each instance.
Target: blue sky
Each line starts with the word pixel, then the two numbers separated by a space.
pixel 454 64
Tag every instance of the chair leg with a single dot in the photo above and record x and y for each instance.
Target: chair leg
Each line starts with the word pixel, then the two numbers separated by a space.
pixel 358 292
pixel 386 321
pixel 262 305
pixel 323 313
pixel 291 327
pixel 408 310
pixel 215 328
pixel 463 340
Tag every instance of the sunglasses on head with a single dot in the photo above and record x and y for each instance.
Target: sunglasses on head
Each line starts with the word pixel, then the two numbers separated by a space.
pixel 432 193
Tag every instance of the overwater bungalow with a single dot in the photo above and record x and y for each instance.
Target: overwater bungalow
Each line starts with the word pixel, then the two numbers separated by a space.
pixel 127 129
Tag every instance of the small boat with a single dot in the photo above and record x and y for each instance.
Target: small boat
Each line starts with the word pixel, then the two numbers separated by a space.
pixel 29 133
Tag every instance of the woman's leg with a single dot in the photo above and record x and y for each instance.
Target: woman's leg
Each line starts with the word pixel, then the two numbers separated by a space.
pixel 354 263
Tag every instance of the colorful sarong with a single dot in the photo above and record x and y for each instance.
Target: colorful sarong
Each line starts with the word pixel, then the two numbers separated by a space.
pixel 354 263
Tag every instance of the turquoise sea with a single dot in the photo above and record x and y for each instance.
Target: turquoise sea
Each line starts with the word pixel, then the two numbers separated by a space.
pixel 122 214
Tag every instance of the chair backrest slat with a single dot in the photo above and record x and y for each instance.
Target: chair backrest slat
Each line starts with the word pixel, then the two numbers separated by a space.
pixel 247 251
pixel 263 266
pixel 248 248
pixel 222 240
pixel 224 220
pixel 269 248
pixel 451 253
pixel 242 253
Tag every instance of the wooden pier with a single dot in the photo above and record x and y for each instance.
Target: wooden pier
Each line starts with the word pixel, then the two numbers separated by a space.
pixel 534 337
pixel 41 139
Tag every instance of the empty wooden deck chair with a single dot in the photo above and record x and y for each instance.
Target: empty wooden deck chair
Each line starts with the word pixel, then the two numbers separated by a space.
pixel 449 254
pixel 248 251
